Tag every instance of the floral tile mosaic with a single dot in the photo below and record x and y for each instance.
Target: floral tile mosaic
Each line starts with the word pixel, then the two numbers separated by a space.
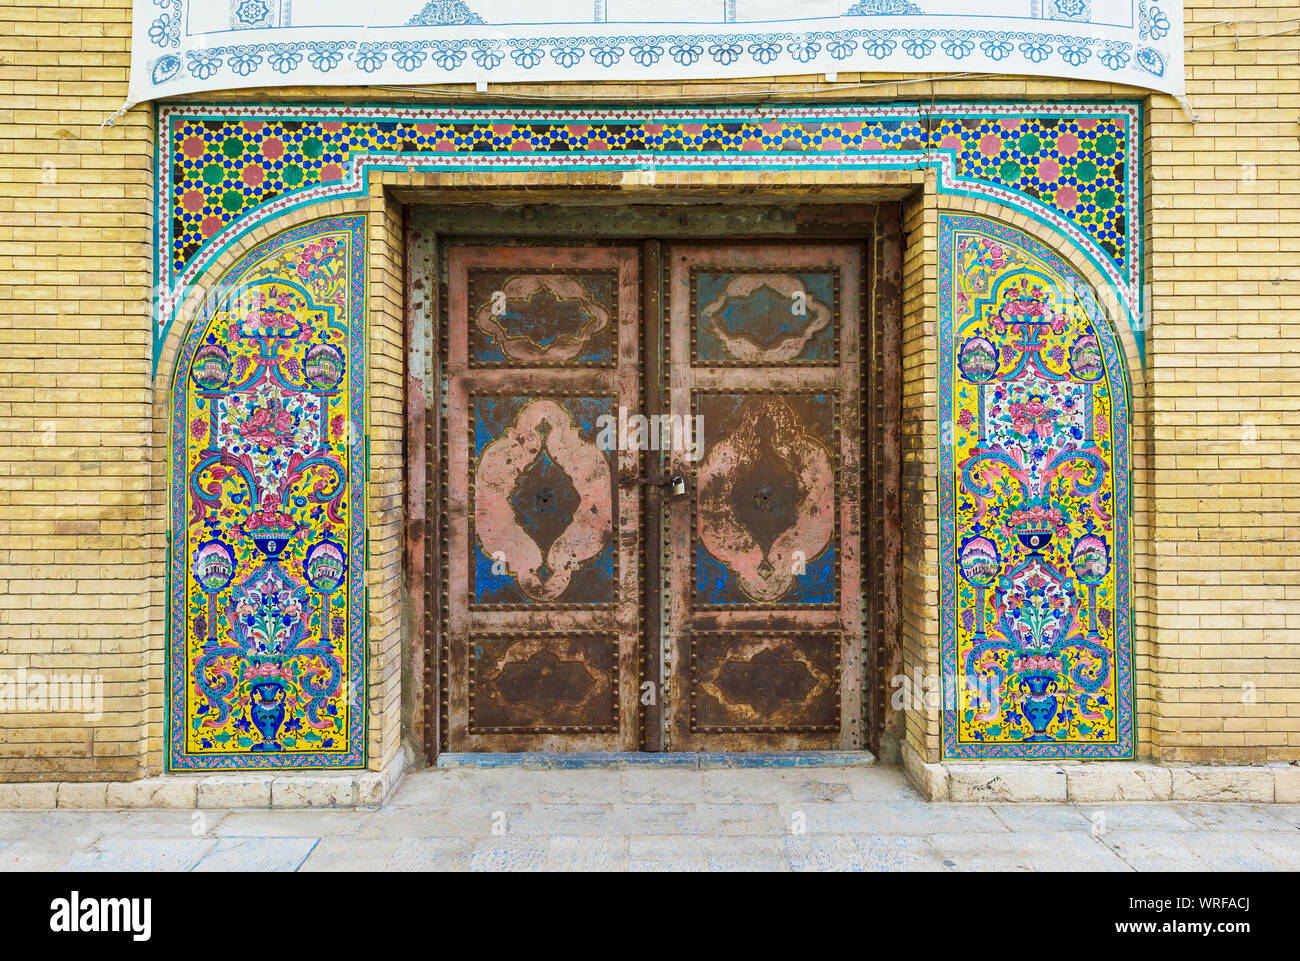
pixel 266 666
pixel 222 168
pixel 1035 624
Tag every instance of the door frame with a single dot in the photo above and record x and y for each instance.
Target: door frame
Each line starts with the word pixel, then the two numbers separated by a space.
pixel 878 226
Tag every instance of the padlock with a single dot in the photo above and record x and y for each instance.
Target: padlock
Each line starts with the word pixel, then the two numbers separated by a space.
pixel 678 485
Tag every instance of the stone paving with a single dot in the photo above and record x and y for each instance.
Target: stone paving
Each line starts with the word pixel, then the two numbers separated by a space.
pixel 657 820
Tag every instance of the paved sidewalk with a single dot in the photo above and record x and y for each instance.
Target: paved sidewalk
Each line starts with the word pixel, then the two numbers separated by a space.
pixel 813 819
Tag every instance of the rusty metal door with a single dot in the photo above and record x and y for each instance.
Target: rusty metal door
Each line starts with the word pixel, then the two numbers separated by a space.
pixel 541 624
pixel 763 640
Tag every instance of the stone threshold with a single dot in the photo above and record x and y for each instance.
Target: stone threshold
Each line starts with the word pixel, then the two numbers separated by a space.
pixel 225 790
pixel 1092 782
pixel 693 760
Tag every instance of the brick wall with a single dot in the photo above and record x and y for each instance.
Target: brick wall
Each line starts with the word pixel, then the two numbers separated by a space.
pixel 78 545
pixel 82 507
pixel 1223 204
pixel 919 440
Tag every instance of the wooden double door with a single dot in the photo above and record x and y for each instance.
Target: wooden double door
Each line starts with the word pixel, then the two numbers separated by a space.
pixel 651 476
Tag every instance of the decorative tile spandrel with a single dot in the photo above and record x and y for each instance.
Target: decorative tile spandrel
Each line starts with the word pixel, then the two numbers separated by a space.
pixel 266 665
pixel 1034 505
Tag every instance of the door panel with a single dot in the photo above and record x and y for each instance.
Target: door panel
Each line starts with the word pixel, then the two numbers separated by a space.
pixel 767 682
pixel 544 683
pixel 543 525
pixel 764 640
pixel 543 517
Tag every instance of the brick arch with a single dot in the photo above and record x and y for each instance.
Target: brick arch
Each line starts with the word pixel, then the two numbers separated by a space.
pixel 190 306
pixel 1112 302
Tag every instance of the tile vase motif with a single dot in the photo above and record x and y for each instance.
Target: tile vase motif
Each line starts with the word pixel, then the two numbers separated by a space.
pixel 1034 505
pixel 266 666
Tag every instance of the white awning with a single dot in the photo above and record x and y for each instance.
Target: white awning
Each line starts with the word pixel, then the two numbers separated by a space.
pixel 189 46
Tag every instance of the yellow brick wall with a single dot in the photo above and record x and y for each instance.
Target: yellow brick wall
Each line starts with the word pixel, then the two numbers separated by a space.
pixel 77 527
pixel 919 440
pixel 82 450
pixel 1224 267
pixel 387 416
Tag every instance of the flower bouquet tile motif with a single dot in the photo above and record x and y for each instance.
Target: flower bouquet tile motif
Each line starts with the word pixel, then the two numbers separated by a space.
pixel 266 666
pixel 1034 505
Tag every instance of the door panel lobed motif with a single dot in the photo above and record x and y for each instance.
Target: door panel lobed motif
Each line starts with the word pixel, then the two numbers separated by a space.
pixel 542 501
pixel 522 319
pixel 766 527
pixel 766 682
pixel 761 317
pixel 546 683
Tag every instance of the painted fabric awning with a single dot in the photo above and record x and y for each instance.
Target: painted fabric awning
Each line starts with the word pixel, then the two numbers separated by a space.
pixel 189 46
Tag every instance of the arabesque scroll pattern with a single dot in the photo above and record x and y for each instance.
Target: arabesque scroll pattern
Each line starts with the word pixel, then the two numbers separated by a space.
pixel 1034 504
pixel 267 660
